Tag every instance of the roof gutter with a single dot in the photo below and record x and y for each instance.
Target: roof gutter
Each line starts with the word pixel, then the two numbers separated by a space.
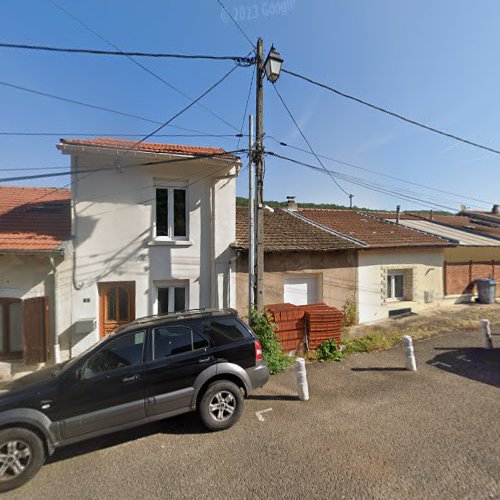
pixel 325 228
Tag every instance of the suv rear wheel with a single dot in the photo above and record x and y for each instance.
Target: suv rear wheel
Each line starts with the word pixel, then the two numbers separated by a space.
pixel 21 455
pixel 221 405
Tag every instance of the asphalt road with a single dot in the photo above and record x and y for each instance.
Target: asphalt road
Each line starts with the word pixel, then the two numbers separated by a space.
pixel 370 430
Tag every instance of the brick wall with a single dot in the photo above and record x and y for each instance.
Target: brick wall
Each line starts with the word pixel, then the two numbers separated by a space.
pixel 459 277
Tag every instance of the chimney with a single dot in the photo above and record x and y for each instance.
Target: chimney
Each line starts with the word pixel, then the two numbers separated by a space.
pixel 398 212
pixel 495 210
pixel 431 214
pixel 292 204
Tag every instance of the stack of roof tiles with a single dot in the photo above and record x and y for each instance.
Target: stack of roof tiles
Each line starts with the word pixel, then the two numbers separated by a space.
pixel 317 322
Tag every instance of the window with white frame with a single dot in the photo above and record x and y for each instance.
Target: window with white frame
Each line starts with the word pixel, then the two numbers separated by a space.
pixel 396 285
pixel 171 298
pixel 171 213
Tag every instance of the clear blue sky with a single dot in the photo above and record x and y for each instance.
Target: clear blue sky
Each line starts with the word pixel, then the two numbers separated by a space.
pixel 436 62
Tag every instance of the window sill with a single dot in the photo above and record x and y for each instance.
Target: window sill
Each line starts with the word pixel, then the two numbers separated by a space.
pixel 392 302
pixel 170 243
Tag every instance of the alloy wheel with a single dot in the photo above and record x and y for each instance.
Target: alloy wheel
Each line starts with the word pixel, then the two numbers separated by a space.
pixel 15 456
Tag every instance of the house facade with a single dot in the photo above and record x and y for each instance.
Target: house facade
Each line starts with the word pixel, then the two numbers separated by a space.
pixel 35 273
pixel 382 267
pixel 152 226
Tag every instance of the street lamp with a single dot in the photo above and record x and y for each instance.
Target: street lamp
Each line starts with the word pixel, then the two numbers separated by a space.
pixel 273 65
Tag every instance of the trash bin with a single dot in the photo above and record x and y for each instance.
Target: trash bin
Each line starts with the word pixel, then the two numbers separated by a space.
pixel 486 291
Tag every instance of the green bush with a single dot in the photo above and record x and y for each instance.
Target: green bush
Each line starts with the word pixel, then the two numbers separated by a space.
pixel 265 329
pixel 329 350
pixel 350 310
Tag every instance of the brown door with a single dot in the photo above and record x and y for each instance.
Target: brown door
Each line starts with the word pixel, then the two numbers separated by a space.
pixel 34 328
pixel 11 324
pixel 116 305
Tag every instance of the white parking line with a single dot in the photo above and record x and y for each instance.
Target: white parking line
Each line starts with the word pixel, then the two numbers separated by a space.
pixel 259 414
pixel 440 363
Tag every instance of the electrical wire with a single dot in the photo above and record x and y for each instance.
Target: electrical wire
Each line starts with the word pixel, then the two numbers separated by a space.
pixel 236 24
pixel 392 113
pixel 137 63
pixel 246 109
pixel 340 162
pixel 101 169
pixel 305 139
pixel 243 60
pixel 92 106
pixel 86 134
pixel 365 184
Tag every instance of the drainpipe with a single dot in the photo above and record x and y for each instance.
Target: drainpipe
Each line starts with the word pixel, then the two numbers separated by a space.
pixel 398 212
pixel 213 274
pixel 57 347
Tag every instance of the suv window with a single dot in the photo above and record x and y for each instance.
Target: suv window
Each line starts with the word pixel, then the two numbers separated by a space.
pixel 123 352
pixel 225 330
pixel 175 339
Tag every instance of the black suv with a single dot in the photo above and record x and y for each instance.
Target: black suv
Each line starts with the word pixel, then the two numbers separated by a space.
pixel 150 369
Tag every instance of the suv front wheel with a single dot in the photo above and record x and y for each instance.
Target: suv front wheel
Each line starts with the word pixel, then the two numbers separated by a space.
pixel 221 405
pixel 21 455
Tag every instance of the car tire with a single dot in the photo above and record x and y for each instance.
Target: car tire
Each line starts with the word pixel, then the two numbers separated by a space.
pixel 22 453
pixel 221 405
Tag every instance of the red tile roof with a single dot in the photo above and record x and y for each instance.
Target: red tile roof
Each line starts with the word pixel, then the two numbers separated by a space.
pixel 148 147
pixel 34 219
pixel 283 231
pixel 372 231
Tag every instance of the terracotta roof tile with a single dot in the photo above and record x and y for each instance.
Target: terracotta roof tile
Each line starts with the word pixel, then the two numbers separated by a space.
pixel 371 230
pixel 283 231
pixel 34 219
pixel 148 147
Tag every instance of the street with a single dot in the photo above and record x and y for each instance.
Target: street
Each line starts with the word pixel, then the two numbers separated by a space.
pixel 370 430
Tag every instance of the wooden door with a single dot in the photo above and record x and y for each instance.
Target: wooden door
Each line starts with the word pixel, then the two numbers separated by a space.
pixel 35 330
pixel 11 321
pixel 116 305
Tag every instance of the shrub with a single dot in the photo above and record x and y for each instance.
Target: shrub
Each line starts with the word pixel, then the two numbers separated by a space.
pixel 329 350
pixel 350 310
pixel 265 329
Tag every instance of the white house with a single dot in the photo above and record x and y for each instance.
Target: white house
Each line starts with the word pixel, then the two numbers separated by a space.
pixel 152 226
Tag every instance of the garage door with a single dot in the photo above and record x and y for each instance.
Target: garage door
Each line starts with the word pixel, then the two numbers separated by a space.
pixel 300 290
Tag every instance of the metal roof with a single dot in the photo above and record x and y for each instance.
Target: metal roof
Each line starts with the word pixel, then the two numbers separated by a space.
pixel 463 238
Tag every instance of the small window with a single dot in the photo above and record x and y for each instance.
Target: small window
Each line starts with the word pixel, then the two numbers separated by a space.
pixel 225 330
pixel 171 213
pixel 171 299
pixel 396 285
pixel 123 352
pixel 175 339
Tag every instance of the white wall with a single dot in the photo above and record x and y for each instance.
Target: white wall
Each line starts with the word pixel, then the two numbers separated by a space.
pixel 427 266
pixel 114 234
pixel 25 276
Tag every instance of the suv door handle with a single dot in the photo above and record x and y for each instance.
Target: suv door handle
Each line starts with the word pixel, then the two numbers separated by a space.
pixel 206 360
pixel 132 378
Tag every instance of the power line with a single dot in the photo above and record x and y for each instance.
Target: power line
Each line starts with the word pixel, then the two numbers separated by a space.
pixel 365 184
pixel 91 106
pixel 340 162
pixel 183 110
pixel 246 109
pixel 137 63
pixel 101 169
pixel 235 23
pixel 305 139
pixel 104 134
pixel 391 113
pixel 243 60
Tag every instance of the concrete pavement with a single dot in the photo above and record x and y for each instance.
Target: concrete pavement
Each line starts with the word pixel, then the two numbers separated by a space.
pixel 370 430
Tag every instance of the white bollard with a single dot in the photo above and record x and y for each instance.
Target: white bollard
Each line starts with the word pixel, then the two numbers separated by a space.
pixel 300 371
pixel 488 341
pixel 411 363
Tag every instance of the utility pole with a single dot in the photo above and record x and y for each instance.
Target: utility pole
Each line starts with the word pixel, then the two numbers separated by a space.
pixel 251 220
pixel 259 174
